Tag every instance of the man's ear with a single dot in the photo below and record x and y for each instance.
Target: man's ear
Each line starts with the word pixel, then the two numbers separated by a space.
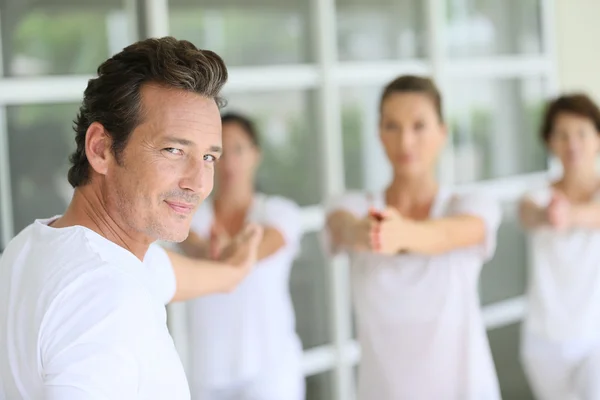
pixel 98 148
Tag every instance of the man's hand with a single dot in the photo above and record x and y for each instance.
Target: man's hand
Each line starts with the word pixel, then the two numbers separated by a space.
pixel 559 211
pixel 242 250
pixel 196 277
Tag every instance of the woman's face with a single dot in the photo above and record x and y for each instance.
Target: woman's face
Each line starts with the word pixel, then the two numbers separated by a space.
pixel 575 141
pixel 240 159
pixel 412 133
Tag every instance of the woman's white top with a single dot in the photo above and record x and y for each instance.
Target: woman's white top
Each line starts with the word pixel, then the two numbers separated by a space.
pixel 419 319
pixel 237 335
pixel 564 280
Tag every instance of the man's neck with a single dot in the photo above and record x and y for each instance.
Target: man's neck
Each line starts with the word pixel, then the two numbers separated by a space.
pixel 88 210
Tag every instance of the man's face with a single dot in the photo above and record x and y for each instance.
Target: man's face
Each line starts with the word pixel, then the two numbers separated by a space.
pixel 167 168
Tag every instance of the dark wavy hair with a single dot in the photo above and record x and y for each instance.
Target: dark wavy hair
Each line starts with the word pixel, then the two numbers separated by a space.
pixel 113 98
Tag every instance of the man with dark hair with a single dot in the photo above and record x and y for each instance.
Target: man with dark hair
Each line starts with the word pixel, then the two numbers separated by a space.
pixel 81 295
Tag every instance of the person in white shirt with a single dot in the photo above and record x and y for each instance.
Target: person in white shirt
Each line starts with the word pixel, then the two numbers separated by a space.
pixel 416 250
pixel 561 334
pixel 243 344
pixel 82 297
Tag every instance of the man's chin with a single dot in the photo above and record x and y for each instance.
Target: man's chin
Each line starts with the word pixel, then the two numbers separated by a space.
pixel 173 238
pixel 174 234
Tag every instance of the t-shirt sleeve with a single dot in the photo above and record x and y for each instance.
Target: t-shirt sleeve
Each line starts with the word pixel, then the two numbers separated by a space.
pixel 540 196
pixel 91 340
pixel 355 203
pixel 162 275
pixel 485 208
pixel 285 216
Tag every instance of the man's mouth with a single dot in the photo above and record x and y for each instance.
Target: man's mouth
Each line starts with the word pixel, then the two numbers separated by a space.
pixel 180 207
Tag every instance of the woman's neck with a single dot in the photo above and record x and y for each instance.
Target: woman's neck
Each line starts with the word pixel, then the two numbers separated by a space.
pixel 578 183
pixel 412 195
pixel 234 196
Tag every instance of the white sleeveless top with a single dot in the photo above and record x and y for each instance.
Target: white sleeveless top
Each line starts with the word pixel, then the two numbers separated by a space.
pixel 236 336
pixel 419 320
pixel 564 280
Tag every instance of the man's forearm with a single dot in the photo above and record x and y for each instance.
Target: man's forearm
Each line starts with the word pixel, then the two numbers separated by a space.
pixel 197 278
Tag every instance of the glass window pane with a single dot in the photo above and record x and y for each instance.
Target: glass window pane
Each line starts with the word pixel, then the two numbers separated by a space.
pixel 505 275
pixel 245 33
pixel 289 142
pixel 319 387
pixel 365 162
pixel 40 140
pixel 492 27
pixel 380 29
pixel 62 37
pixel 1 230
pixel 494 127
pixel 309 289
pixel 504 343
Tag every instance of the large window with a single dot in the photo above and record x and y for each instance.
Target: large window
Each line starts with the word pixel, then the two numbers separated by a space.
pixel 310 74
pixel 490 27
pixel 40 139
pixel 2 234
pixel 57 38
pixel 244 33
pixel 381 29
pixel 494 125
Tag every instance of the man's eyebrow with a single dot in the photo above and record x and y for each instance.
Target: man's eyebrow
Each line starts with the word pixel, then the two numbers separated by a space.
pixel 216 149
pixel 179 141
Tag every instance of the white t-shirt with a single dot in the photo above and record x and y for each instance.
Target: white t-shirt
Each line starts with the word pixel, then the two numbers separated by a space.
pixel 419 320
pixel 83 318
pixel 236 336
pixel 564 281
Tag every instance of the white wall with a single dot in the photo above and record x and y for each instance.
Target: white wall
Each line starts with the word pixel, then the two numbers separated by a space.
pixel 578 46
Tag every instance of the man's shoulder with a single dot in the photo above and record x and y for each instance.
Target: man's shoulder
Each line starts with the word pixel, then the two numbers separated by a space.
pixel 50 252
pixel 53 261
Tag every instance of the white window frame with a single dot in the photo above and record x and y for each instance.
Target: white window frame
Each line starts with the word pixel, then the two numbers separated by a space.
pixel 327 75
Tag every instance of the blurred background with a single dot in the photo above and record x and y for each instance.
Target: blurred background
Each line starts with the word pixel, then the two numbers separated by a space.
pixel 310 72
